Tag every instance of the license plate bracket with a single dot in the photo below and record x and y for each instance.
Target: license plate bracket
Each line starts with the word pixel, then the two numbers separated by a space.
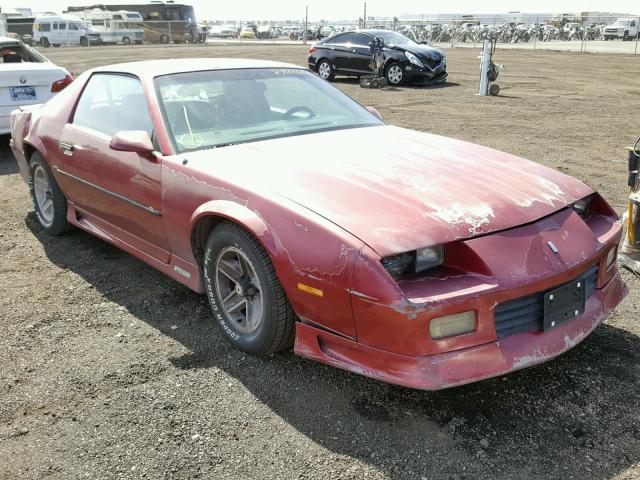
pixel 21 94
pixel 564 303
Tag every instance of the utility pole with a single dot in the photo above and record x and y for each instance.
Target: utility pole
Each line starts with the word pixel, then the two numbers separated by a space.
pixel 364 19
pixel 306 24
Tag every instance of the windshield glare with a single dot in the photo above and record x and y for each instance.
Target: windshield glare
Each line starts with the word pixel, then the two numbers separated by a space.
pixel 393 38
pixel 221 107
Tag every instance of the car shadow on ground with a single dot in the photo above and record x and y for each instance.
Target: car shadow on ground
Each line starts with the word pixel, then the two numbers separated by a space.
pixel 574 417
pixel 413 86
pixel 8 165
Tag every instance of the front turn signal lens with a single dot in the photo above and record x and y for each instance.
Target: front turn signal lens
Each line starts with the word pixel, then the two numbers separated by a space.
pixel 456 324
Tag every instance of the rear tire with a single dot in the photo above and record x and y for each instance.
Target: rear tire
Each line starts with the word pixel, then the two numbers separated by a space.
pixel 325 70
pixel 49 202
pixel 267 325
pixel 164 38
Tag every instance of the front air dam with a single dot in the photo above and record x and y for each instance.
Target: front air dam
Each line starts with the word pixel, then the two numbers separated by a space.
pixel 445 370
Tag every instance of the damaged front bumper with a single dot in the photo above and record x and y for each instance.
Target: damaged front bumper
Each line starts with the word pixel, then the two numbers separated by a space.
pixel 444 370
pixel 425 76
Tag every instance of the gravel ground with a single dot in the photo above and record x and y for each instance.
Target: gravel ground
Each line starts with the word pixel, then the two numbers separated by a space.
pixel 110 370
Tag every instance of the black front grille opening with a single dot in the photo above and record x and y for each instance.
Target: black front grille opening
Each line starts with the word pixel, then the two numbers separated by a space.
pixel 525 314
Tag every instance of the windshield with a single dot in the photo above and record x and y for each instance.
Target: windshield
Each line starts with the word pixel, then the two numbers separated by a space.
pixel 623 23
pixel 393 38
pixel 221 107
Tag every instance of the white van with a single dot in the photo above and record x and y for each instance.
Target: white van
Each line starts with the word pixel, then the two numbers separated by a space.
pixel 59 30
pixel 115 27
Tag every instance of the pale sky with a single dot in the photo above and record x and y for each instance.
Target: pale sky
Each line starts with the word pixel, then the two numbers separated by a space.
pixel 352 9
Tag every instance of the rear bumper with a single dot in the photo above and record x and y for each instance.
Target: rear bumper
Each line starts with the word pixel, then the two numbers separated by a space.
pixel 463 366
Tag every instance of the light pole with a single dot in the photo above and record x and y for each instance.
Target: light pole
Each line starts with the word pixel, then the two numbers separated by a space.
pixel 364 19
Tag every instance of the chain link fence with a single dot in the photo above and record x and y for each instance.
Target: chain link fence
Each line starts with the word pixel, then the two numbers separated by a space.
pixel 609 34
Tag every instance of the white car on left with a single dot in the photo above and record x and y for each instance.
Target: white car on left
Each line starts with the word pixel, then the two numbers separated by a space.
pixel 26 78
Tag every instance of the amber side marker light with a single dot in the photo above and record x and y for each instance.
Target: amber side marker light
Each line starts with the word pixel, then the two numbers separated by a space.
pixel 450 325
pixel 313 291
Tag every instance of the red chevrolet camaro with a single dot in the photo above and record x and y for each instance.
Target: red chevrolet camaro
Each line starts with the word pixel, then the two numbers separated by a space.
pixel 408 257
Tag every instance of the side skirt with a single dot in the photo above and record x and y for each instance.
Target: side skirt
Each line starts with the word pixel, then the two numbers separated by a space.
pixel 174 267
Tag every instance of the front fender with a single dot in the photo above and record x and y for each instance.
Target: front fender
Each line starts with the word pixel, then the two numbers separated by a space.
pixel 239 214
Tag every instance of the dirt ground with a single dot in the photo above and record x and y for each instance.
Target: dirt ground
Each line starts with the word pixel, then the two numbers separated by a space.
pixel 111 370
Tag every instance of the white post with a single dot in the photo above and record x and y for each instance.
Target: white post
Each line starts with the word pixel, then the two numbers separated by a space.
pixel 485 63
pixel 637 36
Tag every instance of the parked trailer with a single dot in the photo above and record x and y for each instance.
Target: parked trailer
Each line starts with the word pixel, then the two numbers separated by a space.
pixel 163 22
pixel 121 26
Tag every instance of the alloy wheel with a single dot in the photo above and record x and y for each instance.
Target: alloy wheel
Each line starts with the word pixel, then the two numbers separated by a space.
pixel 324 70
pixel 395 74
pixel 239 289
pixel 43 195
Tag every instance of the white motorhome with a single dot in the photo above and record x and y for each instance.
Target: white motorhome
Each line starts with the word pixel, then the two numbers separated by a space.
pixel 120 26
pixel 59 30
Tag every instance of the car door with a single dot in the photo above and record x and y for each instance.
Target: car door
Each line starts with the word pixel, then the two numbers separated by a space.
pixel 73 33
pixel 119 190
pixel 343 51
pixel 362 53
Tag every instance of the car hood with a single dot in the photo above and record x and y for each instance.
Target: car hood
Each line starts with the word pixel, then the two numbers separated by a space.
pixel 397 189
pixel 424 51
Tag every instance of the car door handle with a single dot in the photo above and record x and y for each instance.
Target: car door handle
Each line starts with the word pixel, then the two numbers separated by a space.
pixel 67 148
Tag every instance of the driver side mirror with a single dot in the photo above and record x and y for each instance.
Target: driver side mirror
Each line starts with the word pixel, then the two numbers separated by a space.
pixel 136 141
pixel 375 112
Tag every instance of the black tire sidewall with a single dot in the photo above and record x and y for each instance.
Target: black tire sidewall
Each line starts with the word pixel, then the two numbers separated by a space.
pixel 259 341
pixel 59 224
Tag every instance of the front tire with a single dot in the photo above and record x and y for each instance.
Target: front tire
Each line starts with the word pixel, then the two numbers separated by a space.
pixel 326 70
pixel 126 41
pixel 48 200
pixel 44 42
pixel 246 297
pixel 84 42
pixel 395 75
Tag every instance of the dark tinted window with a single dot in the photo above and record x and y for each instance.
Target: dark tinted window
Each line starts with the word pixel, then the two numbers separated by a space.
pixel 349 37
pixel 45 27
pixel 363 40
pixel 111 103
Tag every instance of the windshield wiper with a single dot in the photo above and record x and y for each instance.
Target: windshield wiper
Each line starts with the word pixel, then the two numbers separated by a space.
pixel 220 145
